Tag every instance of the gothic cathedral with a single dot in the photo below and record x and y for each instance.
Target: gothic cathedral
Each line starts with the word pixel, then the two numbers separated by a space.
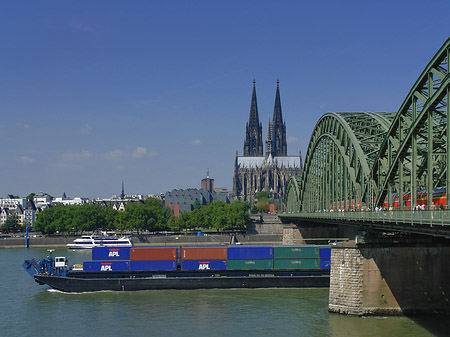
pixel 270 171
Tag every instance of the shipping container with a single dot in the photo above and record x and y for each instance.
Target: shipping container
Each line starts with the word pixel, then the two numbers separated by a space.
pixel 296 264
pixel 296 252
pixel 106 265
pixel 201 253
pixel 204 265
pixel 250 264
pixel 325 264
pixel 104 253
pixel 325 252
pixel 250 252
pixel 153 265
pixel 153 254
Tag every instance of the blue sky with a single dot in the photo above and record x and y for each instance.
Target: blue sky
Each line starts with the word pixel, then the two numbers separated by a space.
pixel 156 92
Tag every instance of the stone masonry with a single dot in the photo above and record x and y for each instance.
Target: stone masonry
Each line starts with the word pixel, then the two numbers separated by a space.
pixel 391 279
pixel 346 281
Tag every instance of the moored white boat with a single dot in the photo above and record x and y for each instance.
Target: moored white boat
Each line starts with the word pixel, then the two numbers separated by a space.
pixel 99 240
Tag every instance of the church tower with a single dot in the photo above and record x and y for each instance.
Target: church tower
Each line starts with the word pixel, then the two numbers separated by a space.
pixel 268 171
pixel 276 144
pixel 253 146
pixel 122 195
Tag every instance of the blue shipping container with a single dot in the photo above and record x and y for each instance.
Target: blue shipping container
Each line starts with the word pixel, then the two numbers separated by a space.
pixel 106 265
pixel 204 265
pixel 250 252
pixel 325 252
pixel 103 253
pixel 153 265
pixel 325 264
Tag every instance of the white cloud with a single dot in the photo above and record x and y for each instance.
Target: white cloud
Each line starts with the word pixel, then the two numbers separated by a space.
pixel 127 153
pixel 139 152
pixel 292 140
pixel 142 152
pixel 86 129
pixel 76 156
pixel 73 159
pixel 196 142
pixel 26 160
pixel 115 155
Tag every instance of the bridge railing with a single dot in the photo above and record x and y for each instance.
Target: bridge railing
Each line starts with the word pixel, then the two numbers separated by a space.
pixel 419 217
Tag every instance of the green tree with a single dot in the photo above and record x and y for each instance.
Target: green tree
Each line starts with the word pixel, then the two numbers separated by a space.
pixel 44 221
pixel 11 224
pixel 262 196
pixel 197 204
pixel 263 206
pixel 30 196
pixel 216 215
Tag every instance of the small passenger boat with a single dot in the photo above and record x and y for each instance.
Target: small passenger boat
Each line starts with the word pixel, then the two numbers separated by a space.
pixel 100 239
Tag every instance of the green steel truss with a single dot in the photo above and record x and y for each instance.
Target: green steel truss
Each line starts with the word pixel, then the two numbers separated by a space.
pixel 360 159
pixel 337 166
pixel 415 155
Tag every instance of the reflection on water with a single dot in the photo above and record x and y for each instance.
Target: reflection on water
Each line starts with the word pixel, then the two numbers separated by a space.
pixel 32 310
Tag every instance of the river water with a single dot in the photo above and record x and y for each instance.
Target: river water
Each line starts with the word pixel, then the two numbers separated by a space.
pixel 28 309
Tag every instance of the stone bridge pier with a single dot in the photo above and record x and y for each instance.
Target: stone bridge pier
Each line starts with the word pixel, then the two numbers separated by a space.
pixel 389 279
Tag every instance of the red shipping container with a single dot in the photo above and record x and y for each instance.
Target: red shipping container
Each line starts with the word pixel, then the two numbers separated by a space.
pixel 153 254
pixel 201 253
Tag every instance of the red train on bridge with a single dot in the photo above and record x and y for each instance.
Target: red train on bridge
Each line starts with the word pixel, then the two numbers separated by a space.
pixel 439 199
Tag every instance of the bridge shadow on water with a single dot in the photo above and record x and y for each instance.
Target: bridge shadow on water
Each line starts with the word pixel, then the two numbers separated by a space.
pixel 415 278
pixel 388 326
pixel 438 325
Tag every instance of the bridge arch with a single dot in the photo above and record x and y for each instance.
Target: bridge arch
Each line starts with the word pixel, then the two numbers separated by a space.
pixel 415 154
pixel 340 154
pixel 366 158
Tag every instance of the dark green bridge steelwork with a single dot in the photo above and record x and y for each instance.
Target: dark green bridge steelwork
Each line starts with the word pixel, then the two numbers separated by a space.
pixel 357 163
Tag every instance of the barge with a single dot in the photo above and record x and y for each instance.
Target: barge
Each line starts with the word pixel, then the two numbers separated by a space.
pixel 131 269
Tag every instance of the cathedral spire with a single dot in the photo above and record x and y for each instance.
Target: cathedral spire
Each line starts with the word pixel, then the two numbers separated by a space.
pixel 254 117
pixel 278 145
pixel 277 115
pixel 122 195
pixel 253 133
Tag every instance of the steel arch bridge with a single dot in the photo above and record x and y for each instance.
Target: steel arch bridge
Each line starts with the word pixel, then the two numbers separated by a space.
pixel 360 161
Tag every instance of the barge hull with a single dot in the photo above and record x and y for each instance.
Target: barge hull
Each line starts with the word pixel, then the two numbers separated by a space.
pixel 74 284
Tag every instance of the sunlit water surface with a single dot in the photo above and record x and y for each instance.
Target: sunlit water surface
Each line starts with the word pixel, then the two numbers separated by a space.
pixel 28 309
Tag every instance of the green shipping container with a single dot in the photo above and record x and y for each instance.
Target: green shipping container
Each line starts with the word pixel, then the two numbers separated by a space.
pixel 295 252
pixel 249 264
pixel 297 264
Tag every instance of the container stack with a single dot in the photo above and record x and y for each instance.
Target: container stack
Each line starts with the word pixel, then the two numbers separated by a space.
pixel 153 258
pixel 204 258
pixel 108 259
pixel 250 257
pixel 296 257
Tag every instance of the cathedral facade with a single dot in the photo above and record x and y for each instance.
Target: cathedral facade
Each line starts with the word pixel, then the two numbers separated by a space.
pixel 257 170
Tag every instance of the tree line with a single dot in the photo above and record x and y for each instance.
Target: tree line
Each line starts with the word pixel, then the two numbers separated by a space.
pixel 150 215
